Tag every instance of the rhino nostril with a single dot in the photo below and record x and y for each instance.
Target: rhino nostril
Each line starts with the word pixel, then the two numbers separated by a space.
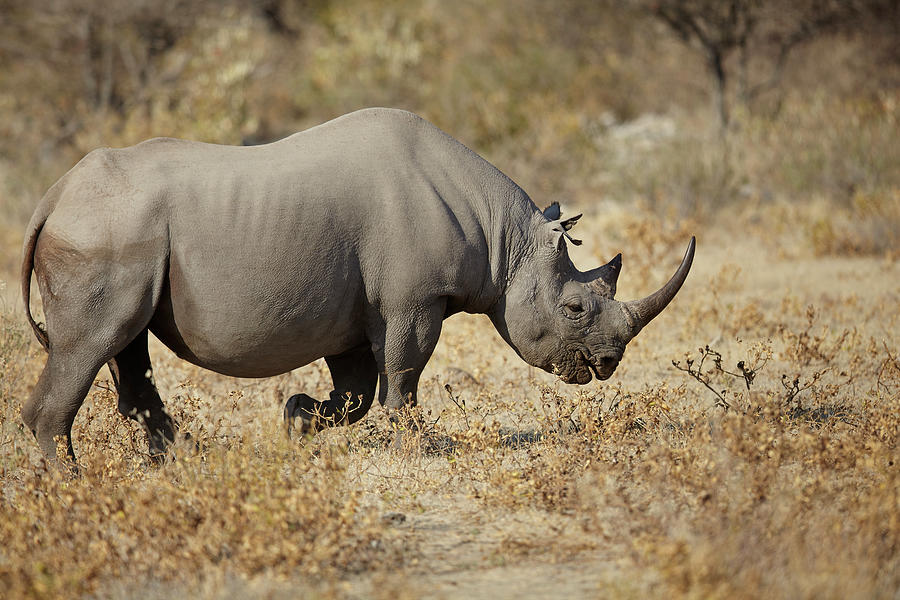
pixel 607 362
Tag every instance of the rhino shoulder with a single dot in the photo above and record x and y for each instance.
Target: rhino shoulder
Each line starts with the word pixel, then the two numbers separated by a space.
pixel 385 124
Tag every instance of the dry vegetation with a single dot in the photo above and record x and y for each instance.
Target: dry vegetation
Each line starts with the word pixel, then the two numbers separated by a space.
pixel 746 447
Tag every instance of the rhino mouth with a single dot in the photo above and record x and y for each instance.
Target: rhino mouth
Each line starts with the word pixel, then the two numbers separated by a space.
pixel 587 366
pixel 582 366
pixel 595 370
pixel 580 369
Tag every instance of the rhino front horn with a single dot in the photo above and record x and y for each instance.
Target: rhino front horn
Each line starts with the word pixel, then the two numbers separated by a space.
pixel 645 309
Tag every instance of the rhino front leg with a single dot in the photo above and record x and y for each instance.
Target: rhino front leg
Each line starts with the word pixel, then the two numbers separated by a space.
pixel 354 374
pixel 408 344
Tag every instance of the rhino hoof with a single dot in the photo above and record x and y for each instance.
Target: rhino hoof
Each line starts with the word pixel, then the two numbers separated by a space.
pixel 302 414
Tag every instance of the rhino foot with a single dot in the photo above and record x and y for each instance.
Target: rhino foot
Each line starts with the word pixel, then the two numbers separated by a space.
pixel 164 450
pixel 304 415
pixel 300 415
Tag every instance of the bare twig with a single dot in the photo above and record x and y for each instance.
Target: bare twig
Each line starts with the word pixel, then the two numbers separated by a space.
pixel 459 402
pixel 698 374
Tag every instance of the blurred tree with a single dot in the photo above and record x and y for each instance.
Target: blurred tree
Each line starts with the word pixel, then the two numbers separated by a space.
pixel 733 34
pixel 287 17
pixel 77 57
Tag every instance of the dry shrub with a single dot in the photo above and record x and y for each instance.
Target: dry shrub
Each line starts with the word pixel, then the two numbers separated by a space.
pixel 13 349
pixel 536 468
pixel 749 507
pixel 791 492
pixel 264 507
pixel 808 346
pixel 765 500
pixel 727 315
pixel 869 225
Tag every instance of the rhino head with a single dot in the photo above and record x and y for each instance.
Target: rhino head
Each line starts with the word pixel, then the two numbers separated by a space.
pixel 566 321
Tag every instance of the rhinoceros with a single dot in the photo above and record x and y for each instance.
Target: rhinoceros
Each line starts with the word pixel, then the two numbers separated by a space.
pixel 351 241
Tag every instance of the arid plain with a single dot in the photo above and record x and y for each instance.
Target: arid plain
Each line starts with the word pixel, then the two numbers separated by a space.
pixel 747 445
pixel 519 485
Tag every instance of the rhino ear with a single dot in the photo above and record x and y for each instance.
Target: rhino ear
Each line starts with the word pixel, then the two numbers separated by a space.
pixel 563 227
pixel 558 227
pixel 558 231
pixel 552 212
pixel 556 239
pixel 552 235
pixel 569 223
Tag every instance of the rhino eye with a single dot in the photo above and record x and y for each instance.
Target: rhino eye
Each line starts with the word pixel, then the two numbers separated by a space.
pixel 573 308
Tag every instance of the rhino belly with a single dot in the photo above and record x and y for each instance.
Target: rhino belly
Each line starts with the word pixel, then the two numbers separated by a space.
pixel 251 325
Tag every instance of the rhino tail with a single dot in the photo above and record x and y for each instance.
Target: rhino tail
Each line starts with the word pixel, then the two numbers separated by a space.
pixel 31 237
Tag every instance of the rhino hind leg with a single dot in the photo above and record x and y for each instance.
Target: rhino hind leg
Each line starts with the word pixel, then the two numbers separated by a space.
pixel 75 356
pixel 138 397
pixel 94 307
pixel 50 411
pixel 354 374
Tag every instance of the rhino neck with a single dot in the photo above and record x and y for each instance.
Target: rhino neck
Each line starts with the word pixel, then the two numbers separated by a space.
pixel 510 243
pixel 502 215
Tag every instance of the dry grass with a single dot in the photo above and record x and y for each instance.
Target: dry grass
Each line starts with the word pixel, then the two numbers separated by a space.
pixel 745 448
pixel 642 485
pixel 261 507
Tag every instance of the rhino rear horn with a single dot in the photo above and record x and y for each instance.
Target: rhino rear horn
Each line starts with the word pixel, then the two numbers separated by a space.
pixel 604 278
pixel 645 309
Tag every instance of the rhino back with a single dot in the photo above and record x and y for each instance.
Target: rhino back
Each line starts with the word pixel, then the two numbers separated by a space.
pixel 283 253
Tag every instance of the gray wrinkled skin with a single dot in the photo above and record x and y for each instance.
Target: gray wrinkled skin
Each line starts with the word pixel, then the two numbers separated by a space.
pixel 351 241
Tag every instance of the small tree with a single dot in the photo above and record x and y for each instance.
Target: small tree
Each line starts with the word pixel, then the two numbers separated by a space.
pixel 732 33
